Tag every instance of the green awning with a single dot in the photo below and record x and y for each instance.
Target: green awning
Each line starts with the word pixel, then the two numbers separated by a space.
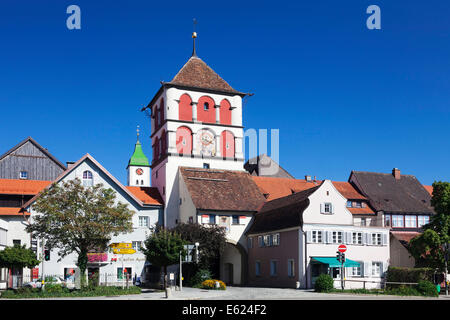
pixel 333 262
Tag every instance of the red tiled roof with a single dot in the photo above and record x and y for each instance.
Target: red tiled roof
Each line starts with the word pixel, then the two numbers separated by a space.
pixel 404 236
pixel 429 189
pixel 276 188
pixel 7 211
pixel 348 191
pixel 18 186
pixel 366 210
pixel 196 73
pixel 148 195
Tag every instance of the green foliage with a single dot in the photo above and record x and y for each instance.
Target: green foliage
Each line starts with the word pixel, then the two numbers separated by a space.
pixel 211 239
pixel 200 276
pixel 162 248
pixel 18 257
pixel 410 275
pixel 53 292
pixel 74 218
pixel 403 291
pixel 427 248
pixel 55 288
pixel 324 283
pixel 427 288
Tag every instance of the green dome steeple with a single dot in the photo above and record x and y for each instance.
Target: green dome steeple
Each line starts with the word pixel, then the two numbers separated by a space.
pixel 138 158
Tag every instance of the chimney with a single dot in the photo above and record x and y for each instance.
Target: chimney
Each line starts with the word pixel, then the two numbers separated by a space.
pixel 307 178
pixel 69 164
pixel 396 173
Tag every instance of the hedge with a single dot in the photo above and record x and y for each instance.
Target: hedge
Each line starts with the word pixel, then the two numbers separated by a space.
pixel 399 274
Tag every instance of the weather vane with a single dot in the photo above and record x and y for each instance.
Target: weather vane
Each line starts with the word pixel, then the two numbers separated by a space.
pixel 194 35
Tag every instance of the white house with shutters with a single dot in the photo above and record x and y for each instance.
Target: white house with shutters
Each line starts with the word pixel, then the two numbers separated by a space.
pixel 308 228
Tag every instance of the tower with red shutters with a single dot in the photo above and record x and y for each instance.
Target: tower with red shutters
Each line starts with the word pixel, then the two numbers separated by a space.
pixel 196 121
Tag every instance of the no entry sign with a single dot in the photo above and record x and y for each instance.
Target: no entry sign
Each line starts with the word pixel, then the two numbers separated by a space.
pixel 342 248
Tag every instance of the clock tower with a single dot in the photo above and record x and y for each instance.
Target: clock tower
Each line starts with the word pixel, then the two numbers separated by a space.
pixel 196 121
pixel 138 167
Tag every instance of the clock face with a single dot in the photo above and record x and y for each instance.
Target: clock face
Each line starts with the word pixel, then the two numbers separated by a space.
pixel 206 143
pixel 139 171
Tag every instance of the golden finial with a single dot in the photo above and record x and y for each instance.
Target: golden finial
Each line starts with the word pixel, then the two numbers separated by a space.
pixel 194 35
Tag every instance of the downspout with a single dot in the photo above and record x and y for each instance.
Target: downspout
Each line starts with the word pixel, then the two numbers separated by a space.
pixel 306 261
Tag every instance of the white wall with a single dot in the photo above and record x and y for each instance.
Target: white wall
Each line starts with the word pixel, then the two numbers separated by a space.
pixel 135 261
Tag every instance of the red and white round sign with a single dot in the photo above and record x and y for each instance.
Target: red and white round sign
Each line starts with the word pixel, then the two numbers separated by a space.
pixel 342 248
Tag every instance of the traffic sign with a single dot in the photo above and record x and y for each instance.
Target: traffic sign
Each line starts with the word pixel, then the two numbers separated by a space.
pixel 121 245
pixel 124 251
pixel 342 248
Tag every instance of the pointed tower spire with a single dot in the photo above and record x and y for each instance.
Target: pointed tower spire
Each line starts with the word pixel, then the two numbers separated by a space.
pixel 194 36
pixel 137 133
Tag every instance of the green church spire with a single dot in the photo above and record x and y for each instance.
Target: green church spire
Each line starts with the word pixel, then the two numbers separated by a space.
pixel 138 158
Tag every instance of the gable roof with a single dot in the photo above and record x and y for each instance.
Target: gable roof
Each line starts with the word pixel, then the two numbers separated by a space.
pixel 148 195
pixel 19 186
pixel 282 213
pixel 222 190
pixel 141 202
pixel 262 165
pixel 274 187
pixel 42 149
pixel 429 189
pixel 385 193
pixel 13 211
pixel 197 74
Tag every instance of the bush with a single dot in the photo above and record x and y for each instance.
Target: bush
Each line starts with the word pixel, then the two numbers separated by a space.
pixel 427 288
pixel 397 274
pixel 55 288
pixel 200 276
pixel 403 291
pixel 324 283
pixel 211 284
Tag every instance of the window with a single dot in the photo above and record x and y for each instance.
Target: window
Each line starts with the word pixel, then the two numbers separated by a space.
pixel 358 204
pixel 376 269
pixel 206 166
pixel 423 220
pixel 137 245
pixel 88 179
pixel 397 221
pixel 260 241
pixel 349 204
pixel 337 236
pixel 266 240
pixel 206 106
pixel 387 220
pixel 363 222
pixel 291 269
pixel 355 271
pixel 376 239
pixel 250 243
pixel 357 238
pixel 23 175
pixel 235 220
pixel 257 268
pixel 273 267
pixel 16 242
pixel 327 208
pixel 411 221
pixel 144 221
pixel 276 239
pixel 316 236
pixel 212 219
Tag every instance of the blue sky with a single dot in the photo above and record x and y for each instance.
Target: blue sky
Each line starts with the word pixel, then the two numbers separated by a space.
pixel 343 97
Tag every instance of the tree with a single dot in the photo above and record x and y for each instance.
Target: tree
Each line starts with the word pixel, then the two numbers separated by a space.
pixel 18 257
pixel 211 239
pixel 427 248
pixel 162 249
pixel 74 218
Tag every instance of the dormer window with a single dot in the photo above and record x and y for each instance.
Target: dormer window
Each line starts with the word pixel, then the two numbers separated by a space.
pixel 23 175
pixel 88 179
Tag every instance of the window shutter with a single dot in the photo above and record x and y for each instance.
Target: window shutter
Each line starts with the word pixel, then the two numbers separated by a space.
pixel 322 208
pixel 369 239
pixel 331 208
pixel 329 237
pixel 364 238
pixel 308 236
pixel 366 269
pixel 384 239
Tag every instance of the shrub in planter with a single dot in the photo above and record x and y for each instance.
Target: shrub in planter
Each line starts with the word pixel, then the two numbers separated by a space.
pixel 324 283
pixel 427 288
pixel 211 284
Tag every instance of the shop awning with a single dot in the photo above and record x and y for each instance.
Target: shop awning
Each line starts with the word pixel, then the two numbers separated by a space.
pixel 333 262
